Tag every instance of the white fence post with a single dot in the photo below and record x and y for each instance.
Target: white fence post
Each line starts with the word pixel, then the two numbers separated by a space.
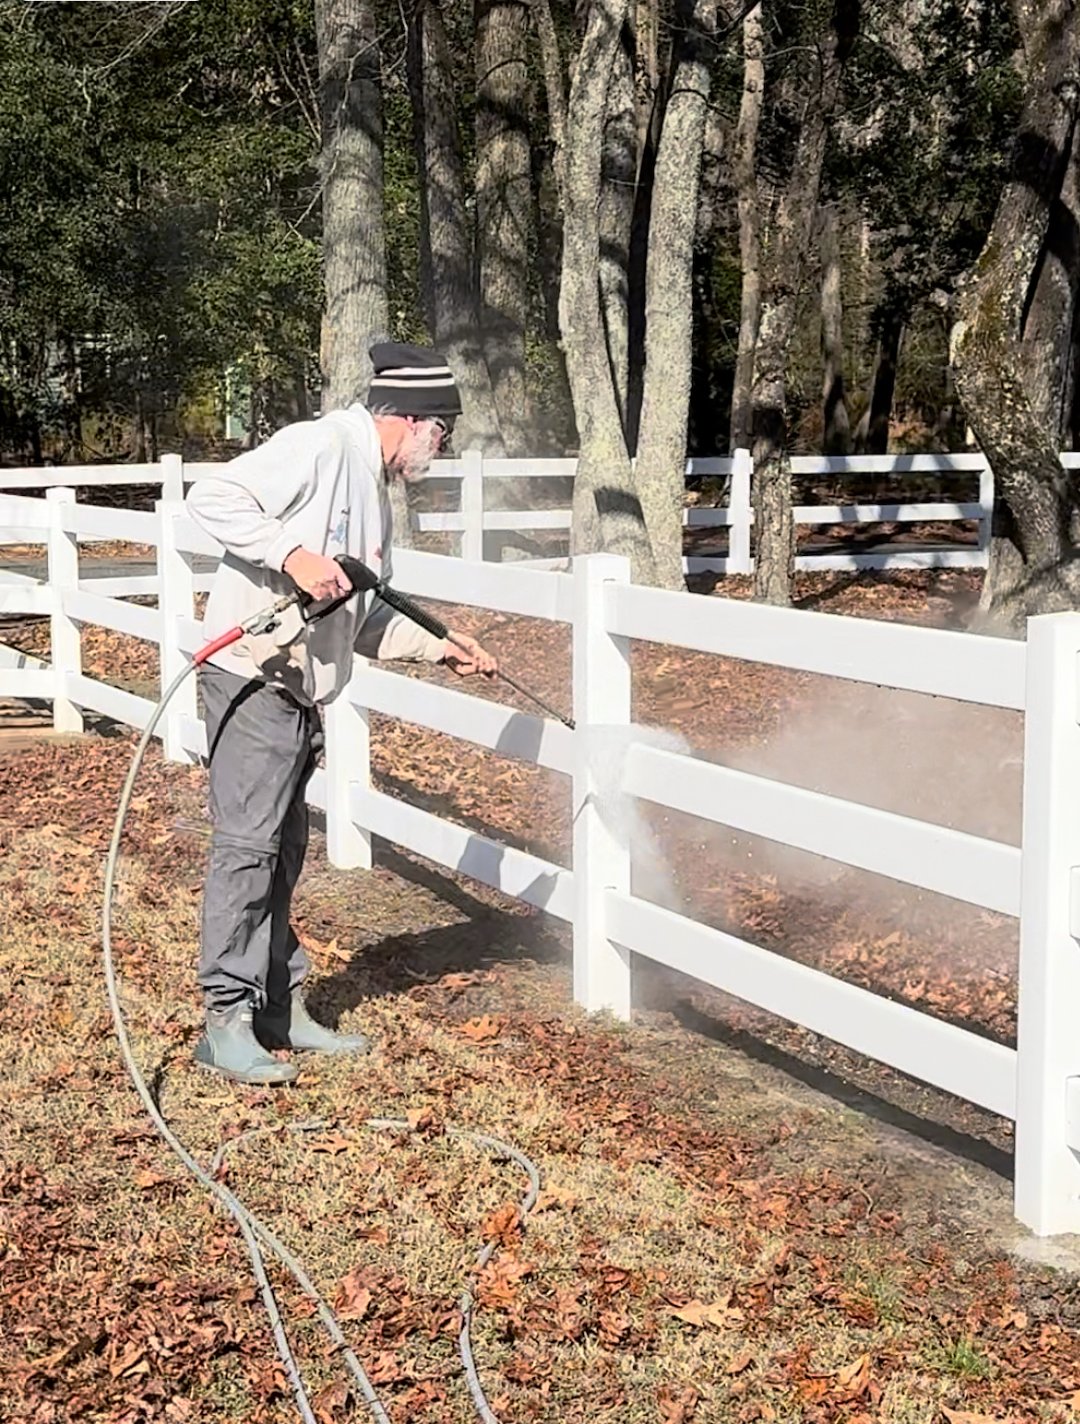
pixel 1047 1173
pixel 741 515
pixel 601 844
pixel 172 479
pixel 348 764
pixel 176 600
pixel 472 505
pixel 64 634
pixel 986 516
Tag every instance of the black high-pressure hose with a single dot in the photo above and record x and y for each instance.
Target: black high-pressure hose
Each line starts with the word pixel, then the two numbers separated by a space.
pixel 363 578
pixel 256 1234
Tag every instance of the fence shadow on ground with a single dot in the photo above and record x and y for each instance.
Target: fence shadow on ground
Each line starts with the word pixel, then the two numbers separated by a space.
pixel 842 1090
pixel 486 937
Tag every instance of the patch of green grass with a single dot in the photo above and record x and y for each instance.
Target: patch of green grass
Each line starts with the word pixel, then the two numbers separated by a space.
pixel 882 1289
pixel 960 1357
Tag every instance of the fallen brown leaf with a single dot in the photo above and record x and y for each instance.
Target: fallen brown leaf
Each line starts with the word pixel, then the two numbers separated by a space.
pixel 332 1143
pixel 503 1225
pixel 696 1312
pixel 677 1406
pixel 483 1029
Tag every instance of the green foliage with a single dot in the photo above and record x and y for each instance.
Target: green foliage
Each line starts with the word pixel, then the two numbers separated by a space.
pixel 158 203
pixel 931 104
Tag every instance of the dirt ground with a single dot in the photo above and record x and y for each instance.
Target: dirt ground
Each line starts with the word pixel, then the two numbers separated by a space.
pixel 739 1220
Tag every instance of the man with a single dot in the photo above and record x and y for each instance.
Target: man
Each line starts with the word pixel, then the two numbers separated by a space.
pixel 315 489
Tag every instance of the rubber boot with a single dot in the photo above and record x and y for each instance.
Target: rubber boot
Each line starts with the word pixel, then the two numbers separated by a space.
pixel 291 1026
pixel 229 1047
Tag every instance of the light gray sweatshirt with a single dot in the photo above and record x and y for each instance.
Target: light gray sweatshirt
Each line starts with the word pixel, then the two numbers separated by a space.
pixel 319 484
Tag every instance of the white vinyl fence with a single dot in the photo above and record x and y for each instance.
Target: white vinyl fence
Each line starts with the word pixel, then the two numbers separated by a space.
pixel 1037 1085
pixel 483 530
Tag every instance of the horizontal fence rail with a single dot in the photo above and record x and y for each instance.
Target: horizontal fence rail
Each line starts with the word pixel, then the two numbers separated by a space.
pixel 964 666
pixel 951 1058
pixel 937 858
pixel 485 532
pixel 1036 881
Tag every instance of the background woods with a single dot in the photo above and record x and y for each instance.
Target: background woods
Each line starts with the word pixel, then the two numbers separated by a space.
pixel 640 229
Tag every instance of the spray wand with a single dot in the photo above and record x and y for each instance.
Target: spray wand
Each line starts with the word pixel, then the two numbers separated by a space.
pixel 362 578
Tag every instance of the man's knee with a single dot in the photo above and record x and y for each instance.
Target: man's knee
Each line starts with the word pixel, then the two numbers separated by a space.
pixel 245 848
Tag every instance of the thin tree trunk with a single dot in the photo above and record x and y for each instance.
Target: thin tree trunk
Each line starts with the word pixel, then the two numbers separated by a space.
pixel 669 293
pixel 747 198
pixel 446 244
pixel 788 243
pixel 618 173
pixel 72 397
pixel 646 26
pixel 707 431
pixel 653 93
pixel 504 207
pixel 141 441
pixel 872 431
pixel 1039 575
pixel 354 255
pixel 836 428
pixel 606 511
pixel 554 84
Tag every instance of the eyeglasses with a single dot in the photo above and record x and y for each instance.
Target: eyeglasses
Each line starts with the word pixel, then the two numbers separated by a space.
pixel 445 427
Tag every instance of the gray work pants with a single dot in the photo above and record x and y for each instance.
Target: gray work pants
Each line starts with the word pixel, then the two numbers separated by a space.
pixel 262 748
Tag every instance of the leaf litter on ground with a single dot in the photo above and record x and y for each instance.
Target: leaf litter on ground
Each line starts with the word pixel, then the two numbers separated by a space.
pixel 692 1257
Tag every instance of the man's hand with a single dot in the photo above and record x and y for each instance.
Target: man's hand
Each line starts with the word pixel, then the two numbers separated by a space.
pixel 316 574
pixel 465 656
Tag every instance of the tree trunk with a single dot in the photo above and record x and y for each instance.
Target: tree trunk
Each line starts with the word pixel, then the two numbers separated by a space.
pixel 606 511
pixel 618 175
pixel 554 85
pixel 1049 322
pixel 72 398
pixel 646 33
pixel 746 189
pixel 661 462
pixel 836 428
pixel 789 240
pixel 504 207
pixel 872 431
pixel 707 430
pixel 354 256
pixel 1040 576
pixel 446 245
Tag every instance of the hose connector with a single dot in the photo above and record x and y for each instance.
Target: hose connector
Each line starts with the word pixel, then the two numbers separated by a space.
pixel 267 619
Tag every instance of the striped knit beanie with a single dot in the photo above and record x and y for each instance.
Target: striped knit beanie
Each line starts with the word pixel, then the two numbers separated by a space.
pixel 412 380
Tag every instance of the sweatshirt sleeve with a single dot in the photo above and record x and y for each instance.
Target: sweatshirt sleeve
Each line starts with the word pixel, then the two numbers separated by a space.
pixel 248 506
pixel 385 634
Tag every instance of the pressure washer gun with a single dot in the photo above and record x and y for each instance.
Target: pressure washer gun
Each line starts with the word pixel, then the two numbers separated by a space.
pixel 363 580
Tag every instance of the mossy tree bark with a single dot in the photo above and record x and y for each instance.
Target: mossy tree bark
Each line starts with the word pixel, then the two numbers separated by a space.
pixel 669 303
pixel 607 513
pixel 1033 565
pixel 836 427
pixel 504 207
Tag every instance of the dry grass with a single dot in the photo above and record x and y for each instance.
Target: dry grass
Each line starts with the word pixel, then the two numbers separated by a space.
pixel 702 1252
